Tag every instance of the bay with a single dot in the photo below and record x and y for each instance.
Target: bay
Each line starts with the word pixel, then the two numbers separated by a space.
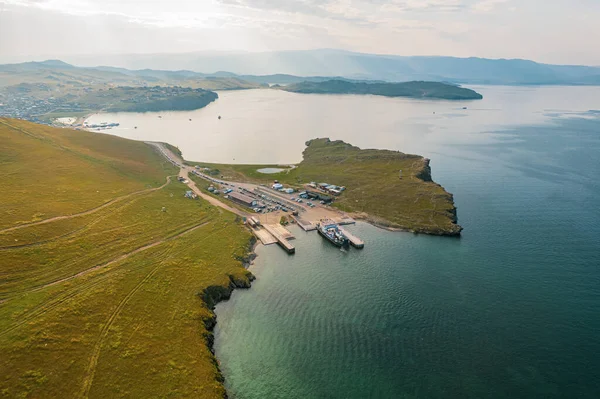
pixel 510 310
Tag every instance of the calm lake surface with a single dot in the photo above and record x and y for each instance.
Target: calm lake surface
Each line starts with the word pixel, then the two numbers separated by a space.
pixel 510 310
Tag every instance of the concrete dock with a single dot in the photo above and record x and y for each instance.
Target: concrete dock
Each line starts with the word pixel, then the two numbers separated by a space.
pixel 344 220
pixel 281 238
pixel 354 240
pixel 264 236
pixel 304 224
pixel 282 231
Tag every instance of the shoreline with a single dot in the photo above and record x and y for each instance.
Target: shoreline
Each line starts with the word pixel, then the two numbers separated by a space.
pixel 213 295
pixel 450 230
pixel 381 224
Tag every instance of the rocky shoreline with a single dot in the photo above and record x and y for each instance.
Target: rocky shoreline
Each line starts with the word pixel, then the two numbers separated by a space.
pixel 386 225
pixel 214 294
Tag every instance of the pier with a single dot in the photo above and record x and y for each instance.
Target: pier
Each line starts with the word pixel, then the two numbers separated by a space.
pixel 354 240
pixel 304 224
pixel 281 231
pixel 264 236
pixel 344 220
pixel 281 237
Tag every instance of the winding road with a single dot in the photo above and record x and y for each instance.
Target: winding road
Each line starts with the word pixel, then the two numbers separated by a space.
pixel 184 172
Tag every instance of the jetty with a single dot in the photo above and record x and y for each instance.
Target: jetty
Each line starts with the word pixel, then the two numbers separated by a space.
pixel 304 224
pixel 264 236
pixel 281 237
pixel 280 230
pixel 354 240
pixel 344 220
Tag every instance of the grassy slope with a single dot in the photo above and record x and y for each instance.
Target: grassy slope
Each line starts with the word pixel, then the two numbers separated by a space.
pixel 44 169
pixel 243 172
pixel 373 185
pixel 111 303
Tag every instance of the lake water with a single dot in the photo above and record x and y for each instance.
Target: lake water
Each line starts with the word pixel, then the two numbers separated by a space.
pixel 270 170
pixel 510 310
pixel 271 126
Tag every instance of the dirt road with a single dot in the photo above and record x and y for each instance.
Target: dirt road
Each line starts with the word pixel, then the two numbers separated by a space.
pixel 184 172
pixel 313 214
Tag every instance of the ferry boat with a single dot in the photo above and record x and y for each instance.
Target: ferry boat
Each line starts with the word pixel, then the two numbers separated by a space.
pixel 329 229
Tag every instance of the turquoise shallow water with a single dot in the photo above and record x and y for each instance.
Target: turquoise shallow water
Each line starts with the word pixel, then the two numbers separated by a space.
pixel 510 310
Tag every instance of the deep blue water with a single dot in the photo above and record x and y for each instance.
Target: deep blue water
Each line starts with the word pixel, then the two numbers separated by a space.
pixel 510 310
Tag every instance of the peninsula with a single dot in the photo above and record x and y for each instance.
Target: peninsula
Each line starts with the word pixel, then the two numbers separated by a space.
pixel 434 90
pixel 151 99
pixel 387 188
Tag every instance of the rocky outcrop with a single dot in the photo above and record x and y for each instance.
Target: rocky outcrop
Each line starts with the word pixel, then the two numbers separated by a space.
pixel 425 172
pixel 214 294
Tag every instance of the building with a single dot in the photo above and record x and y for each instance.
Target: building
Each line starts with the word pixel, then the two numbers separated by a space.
pixel 316 195
pixel 277 186
pixel 243 199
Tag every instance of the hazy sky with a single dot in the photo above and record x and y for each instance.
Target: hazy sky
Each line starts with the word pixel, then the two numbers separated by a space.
pixel 554 31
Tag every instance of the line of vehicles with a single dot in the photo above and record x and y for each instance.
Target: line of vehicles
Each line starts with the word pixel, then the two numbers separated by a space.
pixel 269 204
pixel 304 195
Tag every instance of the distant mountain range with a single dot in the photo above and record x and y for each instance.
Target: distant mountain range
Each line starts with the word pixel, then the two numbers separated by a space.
pixel 56 71
pixel 337 63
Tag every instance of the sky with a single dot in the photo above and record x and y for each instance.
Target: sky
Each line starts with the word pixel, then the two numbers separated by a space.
pixel 550 31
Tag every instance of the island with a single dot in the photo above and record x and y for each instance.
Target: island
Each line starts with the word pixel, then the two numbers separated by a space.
pixel 416 89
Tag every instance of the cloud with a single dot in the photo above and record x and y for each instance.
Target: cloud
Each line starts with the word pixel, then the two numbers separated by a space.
pixel 487 5
pixel 447 27
pixel 426 5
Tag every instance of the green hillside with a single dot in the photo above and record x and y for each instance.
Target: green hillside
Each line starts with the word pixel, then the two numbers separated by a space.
pixel 107 271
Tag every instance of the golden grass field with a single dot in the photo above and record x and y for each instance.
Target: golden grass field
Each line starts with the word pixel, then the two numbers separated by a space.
pixel 102 293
